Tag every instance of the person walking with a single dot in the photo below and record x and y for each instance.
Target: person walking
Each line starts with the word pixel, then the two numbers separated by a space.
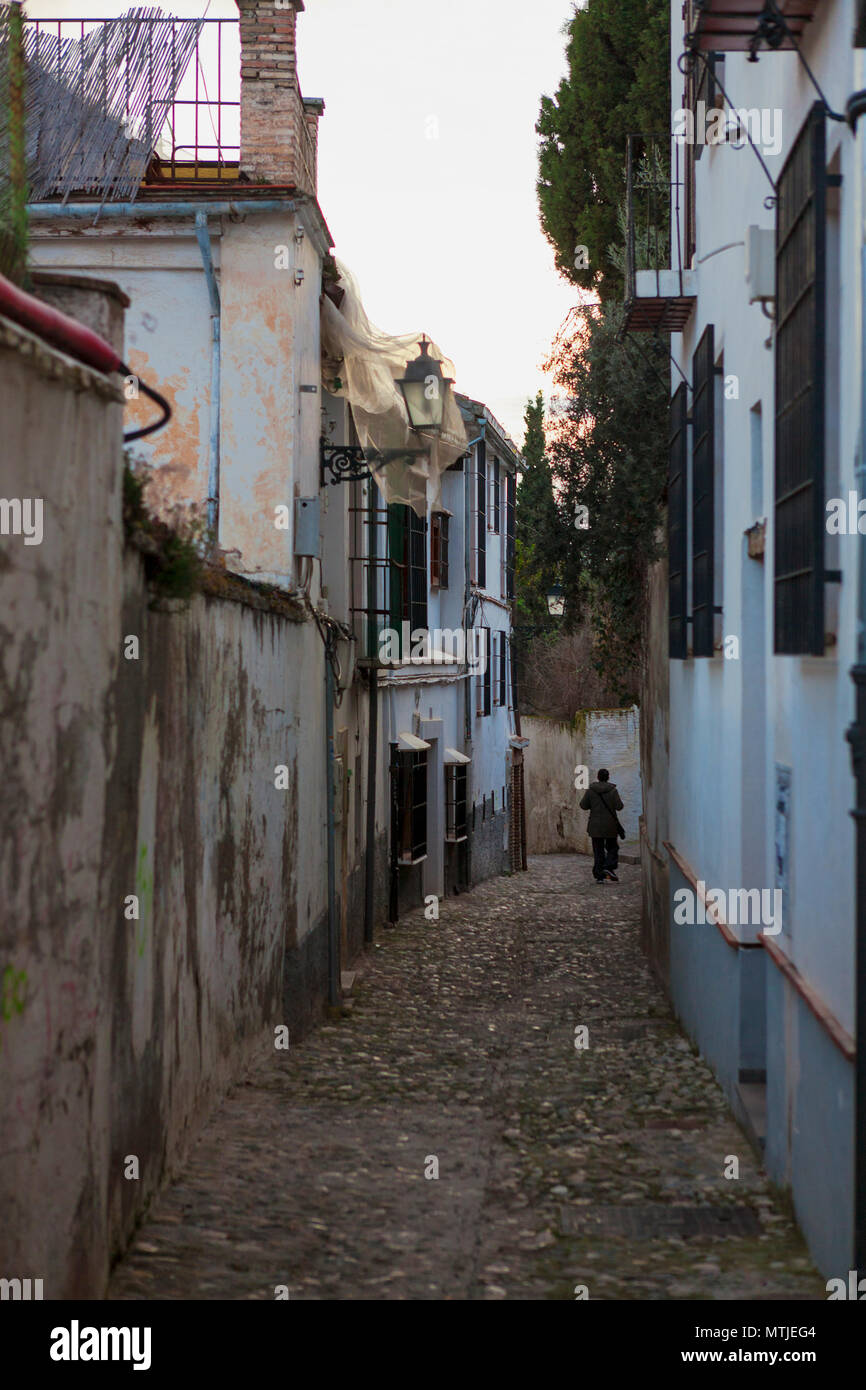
pixel 602 800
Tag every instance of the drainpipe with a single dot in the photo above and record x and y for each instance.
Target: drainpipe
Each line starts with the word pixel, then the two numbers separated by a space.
pixel 151 211
pixel 373 719
pixel 333 938
pixel 370 848
pixel 213 476
pixel 200 211
pixel 857 738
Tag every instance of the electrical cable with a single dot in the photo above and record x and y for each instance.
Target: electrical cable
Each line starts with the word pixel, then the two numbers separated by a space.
pixel 159 400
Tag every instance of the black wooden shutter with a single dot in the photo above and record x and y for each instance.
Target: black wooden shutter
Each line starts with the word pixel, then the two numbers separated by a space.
pixel 496 496
pixel 444 540
pixel 486 684
pixel 435 549
pixel 801 232
pixel 417 570
pixel 678 453
pixel 509 535
pixel 503 661
pixel 480 501
pixel 703 490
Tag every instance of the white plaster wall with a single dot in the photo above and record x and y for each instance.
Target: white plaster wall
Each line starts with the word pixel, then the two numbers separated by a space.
pixel 555 823
pixel 807 702
pixel 269 428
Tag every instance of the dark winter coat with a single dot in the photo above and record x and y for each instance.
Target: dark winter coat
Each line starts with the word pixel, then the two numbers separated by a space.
pixel 602 800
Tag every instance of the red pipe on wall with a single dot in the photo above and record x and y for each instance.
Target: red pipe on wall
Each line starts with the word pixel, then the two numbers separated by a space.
pixel 56 328
pixel 75 340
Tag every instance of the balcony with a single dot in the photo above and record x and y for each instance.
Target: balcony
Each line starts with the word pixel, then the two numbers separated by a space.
pixel 660 286
pixel 131 102
pixel 745 26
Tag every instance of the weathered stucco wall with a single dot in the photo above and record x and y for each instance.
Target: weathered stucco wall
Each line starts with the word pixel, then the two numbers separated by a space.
pixel 149 776
pixel 59 635
pixel 597 738
pixel 655 750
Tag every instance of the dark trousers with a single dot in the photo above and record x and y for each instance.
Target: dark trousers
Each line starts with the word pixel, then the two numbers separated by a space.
pixel 606 855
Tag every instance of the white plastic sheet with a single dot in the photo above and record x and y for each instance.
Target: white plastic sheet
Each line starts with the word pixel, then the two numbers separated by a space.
pixel 363 364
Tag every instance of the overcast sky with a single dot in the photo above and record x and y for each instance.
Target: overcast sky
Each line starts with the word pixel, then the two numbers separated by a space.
pixel 427 169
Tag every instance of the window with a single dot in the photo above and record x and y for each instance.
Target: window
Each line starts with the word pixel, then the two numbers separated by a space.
pixel 703 494
pixel 689 171
pixel 407 550
pixel 439 537
pixel 479 553
pixel 500 668
pixel 678 454
pixel 455 803
pixel 410 808
pixel 705 88
pixel 508 548
pixel 483 679
pixel 494 498
pixel 801 238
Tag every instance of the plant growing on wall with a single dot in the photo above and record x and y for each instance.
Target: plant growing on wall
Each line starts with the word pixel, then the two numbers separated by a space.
pixel 13 179
pixel 173 554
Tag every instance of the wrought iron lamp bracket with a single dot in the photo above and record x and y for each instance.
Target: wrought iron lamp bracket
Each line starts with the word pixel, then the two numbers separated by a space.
pixel 345 463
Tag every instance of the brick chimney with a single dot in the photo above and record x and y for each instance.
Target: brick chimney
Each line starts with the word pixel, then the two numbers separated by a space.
pixel 278 128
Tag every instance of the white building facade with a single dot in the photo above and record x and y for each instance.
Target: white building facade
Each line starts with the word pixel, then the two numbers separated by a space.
pixel 762 292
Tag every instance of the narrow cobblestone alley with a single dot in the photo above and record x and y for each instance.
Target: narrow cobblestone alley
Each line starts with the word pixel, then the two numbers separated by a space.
pixel 557 1167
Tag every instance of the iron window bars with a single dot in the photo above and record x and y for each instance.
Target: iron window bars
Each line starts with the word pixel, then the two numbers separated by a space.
pixel 509 535
pixel 801 245
pixel 678 462
pixel 480 549
pixel 703 493
pixel 483 685
pixel 410 807
pixel 440 526
pixel 455 803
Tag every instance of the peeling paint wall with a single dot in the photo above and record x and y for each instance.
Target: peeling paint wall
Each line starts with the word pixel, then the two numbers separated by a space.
pixel 148 778
pixel 597 738
pixel 269 426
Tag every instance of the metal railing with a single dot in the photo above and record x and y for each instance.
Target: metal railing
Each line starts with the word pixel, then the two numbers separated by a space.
pixel 655 209
pixel 182 93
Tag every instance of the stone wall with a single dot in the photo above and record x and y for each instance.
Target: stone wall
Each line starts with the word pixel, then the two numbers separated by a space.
pixel 555 823
pixel 489 844
pixel 159 920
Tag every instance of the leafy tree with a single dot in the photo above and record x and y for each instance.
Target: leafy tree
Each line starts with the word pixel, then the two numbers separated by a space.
pixel 538 544
pixel 618 82
pixel 609 453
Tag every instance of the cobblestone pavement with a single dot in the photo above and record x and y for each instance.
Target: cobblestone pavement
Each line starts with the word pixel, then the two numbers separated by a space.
pixel 557 1167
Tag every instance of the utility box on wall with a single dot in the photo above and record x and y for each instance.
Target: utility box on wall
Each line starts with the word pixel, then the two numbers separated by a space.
pixel 760 263
pixel 307 527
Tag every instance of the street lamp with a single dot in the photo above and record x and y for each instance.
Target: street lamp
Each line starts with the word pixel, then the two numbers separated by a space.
pixel 556 601
pixel 423 390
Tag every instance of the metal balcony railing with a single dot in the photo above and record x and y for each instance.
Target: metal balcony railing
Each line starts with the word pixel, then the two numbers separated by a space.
pixel 659 290
pixel 726 26
pixel 140 98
